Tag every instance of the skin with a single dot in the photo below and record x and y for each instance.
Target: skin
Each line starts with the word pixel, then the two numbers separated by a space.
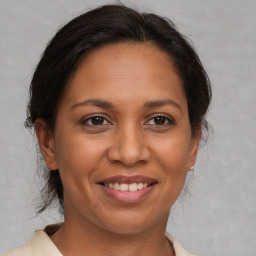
pixel 128 140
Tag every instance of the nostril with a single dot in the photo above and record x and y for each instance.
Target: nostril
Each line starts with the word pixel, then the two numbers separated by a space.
pixel 128 150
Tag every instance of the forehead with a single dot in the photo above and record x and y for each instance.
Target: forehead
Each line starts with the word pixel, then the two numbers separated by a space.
pixel 124 70
pixel 127 57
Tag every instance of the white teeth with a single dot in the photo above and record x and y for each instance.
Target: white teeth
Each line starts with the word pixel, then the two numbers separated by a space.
pixel 116 186
pixel 126 187
pixel 140 185
pixel 133 187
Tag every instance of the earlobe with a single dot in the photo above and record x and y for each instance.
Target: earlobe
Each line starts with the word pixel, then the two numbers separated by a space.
pixel 46 143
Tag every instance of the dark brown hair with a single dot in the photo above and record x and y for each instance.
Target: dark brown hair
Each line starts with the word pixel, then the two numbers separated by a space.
pixel 106 25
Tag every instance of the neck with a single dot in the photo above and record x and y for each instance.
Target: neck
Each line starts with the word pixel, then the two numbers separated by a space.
pixel 76 238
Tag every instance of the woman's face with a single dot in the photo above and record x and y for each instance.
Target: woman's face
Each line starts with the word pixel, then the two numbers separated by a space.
pixel 122 140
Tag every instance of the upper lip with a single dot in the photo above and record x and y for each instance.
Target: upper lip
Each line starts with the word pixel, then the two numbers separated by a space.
pixel 128 179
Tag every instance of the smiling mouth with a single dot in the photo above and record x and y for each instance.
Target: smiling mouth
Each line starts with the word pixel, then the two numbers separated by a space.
pixel 128 183
pixel 127 189
pixel 132 187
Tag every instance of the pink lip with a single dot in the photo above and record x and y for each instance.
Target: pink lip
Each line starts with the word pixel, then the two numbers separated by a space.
pixel 128 196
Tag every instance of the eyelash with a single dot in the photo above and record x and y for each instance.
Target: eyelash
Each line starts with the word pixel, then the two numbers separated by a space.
pixel 170 120
pixel 85 121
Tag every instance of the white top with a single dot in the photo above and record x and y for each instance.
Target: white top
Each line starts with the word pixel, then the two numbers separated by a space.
pixel 42 245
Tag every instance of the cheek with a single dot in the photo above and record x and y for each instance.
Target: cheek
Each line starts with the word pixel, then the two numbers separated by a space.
pixel 173 154
pixel 78 159
pixel 78 156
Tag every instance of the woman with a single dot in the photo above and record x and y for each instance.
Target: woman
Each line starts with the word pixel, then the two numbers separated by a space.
pixel 118 102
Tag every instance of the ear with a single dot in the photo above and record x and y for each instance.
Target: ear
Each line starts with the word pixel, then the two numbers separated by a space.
pixel 195 145
pixel 46 143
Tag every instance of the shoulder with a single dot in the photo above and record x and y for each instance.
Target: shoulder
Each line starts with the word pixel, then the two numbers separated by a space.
pixel 39 245
pixel 24 250
pixel 179 250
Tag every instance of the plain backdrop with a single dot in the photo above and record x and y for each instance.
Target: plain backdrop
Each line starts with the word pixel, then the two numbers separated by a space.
pixel 219 215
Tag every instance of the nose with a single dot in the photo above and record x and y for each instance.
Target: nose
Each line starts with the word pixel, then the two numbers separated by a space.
pixel 129 147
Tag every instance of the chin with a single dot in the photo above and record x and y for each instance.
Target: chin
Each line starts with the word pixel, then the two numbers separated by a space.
pixel 132 223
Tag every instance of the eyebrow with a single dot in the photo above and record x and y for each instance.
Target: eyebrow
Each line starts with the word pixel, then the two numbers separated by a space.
pixel 160 103
pixel 106 104
pixel 94 102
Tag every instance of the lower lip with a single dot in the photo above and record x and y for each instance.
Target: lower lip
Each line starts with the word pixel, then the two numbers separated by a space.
pixel 127 196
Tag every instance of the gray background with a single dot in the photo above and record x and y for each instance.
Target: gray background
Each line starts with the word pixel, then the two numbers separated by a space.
pixel 219 216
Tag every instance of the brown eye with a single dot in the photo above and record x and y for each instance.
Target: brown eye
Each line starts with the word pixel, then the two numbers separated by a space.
pixel 160 120
pixel 95 121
